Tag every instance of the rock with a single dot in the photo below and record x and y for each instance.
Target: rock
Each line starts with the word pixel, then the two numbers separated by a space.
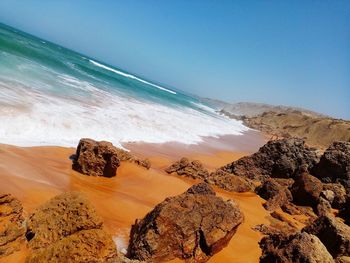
pixel 275 194
pixel 334 234
pixel 60 217
pixel 192 226
pixel 323 207
pixel 306 190
pixel 339 195
pixel 298 248
pixel 185 167
pixel 102 158
pixel 283 158
pixel 230 182
pixel 342 260
pixel 93 245
pixel 12 227
pixel 334 165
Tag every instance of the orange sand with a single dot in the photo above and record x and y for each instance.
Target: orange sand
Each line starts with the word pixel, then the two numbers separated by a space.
pixel 36 174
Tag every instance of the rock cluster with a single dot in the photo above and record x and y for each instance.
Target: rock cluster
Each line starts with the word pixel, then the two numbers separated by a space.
pixel 67 228
pixel 283 158
pixel 192 226
pixel 12 228
pixel 101 158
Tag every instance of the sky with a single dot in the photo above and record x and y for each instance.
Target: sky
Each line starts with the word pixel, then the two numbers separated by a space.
pixel 293 53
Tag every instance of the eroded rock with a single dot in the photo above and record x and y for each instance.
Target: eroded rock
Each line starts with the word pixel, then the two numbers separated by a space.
pixel 275 194
pixel 298 248
pixel 192 226
pixel 230 182
pixel 334 234
pixel 306 190
pixel 283 158
pixel 12 227
pixel 185 167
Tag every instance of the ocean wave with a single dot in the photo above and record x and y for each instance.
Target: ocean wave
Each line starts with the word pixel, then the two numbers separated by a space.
pixel 130 76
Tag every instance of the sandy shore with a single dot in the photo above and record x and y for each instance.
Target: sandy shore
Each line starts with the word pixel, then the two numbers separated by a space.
pixel 35 174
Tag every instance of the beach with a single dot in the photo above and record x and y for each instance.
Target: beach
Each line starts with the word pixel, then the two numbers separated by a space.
pixel 36 174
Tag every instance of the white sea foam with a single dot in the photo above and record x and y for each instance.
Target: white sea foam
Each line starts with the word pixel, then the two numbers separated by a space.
pixel 39 118
pixel 130 76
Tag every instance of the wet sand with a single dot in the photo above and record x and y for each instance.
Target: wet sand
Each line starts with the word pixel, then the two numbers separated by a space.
pixel 36 174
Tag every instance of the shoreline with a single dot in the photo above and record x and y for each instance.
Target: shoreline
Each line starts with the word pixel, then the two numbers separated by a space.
pixel 36 174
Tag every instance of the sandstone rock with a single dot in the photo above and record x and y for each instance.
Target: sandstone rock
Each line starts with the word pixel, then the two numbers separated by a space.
pixel 102 158
pixel 230 182
pixel 192 226
pixel 185 167
pixel 12 227
pixel 339 194
pixel 334 165
pixel 298 248
pixel 275 194
pixel 60 217
pixel 306 190
pixel 283 158
pixel 334 234
pixel 93 245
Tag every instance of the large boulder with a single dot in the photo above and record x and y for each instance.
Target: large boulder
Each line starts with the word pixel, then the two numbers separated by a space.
pixel 12 228
pixel 283 158
pixel 334 234
pixel 102 158
pixel 185 167
pixel 274 193
pixel 334 165
pixel 67 229
pixel 230 182
pixel 297 248
pixel 306 190
pixel 192 226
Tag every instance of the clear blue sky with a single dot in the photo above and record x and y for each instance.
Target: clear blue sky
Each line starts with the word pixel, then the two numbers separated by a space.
pixel 280 52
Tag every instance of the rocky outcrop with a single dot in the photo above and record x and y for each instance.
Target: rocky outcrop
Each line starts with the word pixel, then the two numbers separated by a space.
pixel 230 182
pixel 192 226
pixel 65 227
pixel 334 234
pixel 12 227
pixel 101 158
pixel 185 167
pixel 334 165
pixel 306 190
pixel 279 159
pixel 298 248
pixel 275 194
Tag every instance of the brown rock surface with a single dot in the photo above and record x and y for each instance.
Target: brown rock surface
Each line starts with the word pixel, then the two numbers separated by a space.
pixel 93 245
pixel 60 217
pixel 12 227
pixel 275 194
pixel 306 190
pixel 185 167
pixel 230 182
pixel 101 158
pixel 339 195
pixel 334 234
pixel 298 248
pixel 283 158
pixel 192 226
pixel 334 165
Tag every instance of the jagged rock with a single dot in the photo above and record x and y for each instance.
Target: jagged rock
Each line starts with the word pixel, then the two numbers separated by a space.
pixel 230 182
pixel 283 158
pixel 192 226
pixel 60 217
pixel 275 194
pixel 306 190
pixel 298 248
pixel 334 165
pixel 185 167
pixel 12 227
pixel 334 234
pixel 275 229
pixel 101 158
pixel 342 260
pixel 323 207
pixel 93 245
pixel 339 195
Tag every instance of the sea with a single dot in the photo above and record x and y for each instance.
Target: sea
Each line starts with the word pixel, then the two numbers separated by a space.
pixel 51 95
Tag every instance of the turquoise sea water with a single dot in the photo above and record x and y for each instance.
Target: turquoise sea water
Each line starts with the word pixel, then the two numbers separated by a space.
pixel 50 95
